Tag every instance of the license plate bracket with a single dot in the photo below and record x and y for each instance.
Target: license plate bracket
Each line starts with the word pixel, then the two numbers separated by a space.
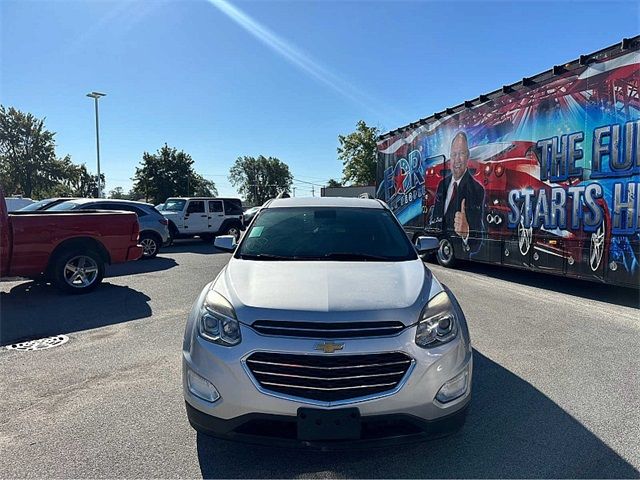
pixel 338 424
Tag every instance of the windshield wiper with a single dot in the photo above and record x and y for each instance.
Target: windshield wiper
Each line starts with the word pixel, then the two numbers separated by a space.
pixel 355 256
pixel 263 256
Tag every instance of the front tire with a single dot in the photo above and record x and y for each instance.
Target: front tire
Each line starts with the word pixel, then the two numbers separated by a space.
pixel 77 272
pixel 233 230
pixel 150 245
pixel 446 255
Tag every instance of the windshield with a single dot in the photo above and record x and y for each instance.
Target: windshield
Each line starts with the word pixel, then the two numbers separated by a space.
pixel 174 205
pixel 37 205
pixel 325 233
pixel 64 206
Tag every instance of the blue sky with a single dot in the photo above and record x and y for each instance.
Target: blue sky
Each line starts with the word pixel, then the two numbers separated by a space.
pixel 220 79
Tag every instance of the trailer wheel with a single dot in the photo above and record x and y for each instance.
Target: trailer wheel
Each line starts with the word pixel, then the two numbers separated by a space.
pixel 446 255
pixel 77 272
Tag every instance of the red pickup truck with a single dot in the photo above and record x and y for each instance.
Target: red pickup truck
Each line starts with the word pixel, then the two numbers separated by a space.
pixel 70 249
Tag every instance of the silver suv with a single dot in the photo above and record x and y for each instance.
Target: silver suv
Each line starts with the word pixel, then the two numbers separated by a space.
pixel 154 227
pixel 326 329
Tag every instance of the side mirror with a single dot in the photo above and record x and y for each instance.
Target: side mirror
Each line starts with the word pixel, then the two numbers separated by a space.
pixel 427 244
pixel 225 242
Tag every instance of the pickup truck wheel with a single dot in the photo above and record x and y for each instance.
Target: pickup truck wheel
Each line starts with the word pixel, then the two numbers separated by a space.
pixel 150 245
pixel 75 272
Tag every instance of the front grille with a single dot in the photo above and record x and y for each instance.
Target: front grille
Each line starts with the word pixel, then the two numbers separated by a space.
pixel 328 378
pixel 326 330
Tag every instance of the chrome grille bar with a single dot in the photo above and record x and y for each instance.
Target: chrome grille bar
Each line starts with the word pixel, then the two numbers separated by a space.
pixel 404 362
pixel 306 329
pixel 328 377
pixel 327 330
pixel 306 377
pixel 329 389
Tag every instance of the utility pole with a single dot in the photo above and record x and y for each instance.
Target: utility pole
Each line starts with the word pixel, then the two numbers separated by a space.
pixel 294 191
pixel 96 96
pixel 313 192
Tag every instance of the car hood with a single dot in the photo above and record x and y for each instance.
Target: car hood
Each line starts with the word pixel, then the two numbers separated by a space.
pixel 321 287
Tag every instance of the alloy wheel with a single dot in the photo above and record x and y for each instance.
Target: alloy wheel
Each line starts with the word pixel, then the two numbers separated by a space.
pixel 233 231
pixel 80 271
pixel 149 247
pixel 446 250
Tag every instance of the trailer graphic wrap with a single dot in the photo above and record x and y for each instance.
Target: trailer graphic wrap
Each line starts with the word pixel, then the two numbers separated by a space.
pixel 545 176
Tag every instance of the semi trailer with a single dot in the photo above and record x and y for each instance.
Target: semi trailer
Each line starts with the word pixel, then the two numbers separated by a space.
pixel 542 174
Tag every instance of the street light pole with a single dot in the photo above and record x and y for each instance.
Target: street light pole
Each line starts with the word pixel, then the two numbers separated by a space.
pixel 96 96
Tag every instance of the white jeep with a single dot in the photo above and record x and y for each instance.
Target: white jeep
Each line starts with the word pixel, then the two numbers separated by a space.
pixel 205 217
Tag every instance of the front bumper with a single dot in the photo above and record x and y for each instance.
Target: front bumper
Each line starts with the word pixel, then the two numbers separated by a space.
pixel 246 411
pixel 281 430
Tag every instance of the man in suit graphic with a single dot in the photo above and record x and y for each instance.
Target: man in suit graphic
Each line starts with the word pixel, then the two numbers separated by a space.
pixel 459 202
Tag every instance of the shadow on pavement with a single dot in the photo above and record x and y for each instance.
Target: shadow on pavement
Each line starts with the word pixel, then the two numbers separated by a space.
pixel 140 266
pixel 34 310
pixel 601 292
pixel 513 431
pixel 194 245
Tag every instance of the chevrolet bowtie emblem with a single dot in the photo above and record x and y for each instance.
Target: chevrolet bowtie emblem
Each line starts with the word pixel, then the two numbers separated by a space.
pixel 328 347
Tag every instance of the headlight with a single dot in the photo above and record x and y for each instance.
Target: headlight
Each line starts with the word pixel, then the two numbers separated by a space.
pixel 218 322
pixel 438 323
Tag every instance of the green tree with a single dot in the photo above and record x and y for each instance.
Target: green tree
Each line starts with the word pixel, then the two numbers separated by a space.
pixel 332 183
pixel 169 173
pixel 28 163
pixel 260 178
pixel 81 183
pixel 359 155
pixel 118 194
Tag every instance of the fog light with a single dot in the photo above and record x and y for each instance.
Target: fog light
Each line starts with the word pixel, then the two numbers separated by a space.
pixel 201 387
pixel 454 388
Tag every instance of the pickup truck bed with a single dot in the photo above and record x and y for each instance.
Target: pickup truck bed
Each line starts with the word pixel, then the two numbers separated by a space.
pixel 70 248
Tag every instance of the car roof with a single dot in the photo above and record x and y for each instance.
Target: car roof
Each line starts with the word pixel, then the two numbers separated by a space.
pixel 202 198
pixel 82 201
pixel 339 202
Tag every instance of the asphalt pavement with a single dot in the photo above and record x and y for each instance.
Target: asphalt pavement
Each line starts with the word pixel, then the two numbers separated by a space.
pixel 556 382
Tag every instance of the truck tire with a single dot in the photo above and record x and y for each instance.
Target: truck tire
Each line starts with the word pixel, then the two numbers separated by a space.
pixel 150 245
pixel 76 271
pixel 446 255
